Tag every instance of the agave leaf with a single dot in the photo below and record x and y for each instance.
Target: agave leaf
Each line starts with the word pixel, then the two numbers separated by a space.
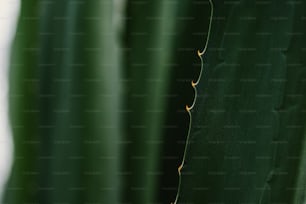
pixel 149 42
pixel 23 183
pixel 249 119
pixel 75 95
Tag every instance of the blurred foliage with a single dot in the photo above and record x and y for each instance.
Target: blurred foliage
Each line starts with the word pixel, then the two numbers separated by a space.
pixel 65 101
pixel 98 92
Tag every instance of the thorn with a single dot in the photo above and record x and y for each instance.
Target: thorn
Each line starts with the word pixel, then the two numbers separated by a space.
pixel 179 169
pixel 188 108
pixel 200 53
pixel 193 84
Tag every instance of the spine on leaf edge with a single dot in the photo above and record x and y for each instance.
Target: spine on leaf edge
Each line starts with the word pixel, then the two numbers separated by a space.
pixel 189 108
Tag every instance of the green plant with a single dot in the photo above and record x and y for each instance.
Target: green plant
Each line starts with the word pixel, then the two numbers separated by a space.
pixel 65 97
pixel 249 123
pixel 97 106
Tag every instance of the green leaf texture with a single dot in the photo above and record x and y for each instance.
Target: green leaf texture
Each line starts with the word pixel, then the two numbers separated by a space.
pixel 23 105
pixel 248 125
pixel 97 102
pixel 149 40
pixel 64 100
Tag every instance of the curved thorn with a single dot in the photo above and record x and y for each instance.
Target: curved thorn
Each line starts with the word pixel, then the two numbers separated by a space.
pixel 180 168
pixel 193 84
pixel 200 53
pixel 188 108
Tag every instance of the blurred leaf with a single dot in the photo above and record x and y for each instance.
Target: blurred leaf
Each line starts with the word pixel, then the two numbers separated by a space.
pixel 23 107
pixel 150 37
pixel 75 95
